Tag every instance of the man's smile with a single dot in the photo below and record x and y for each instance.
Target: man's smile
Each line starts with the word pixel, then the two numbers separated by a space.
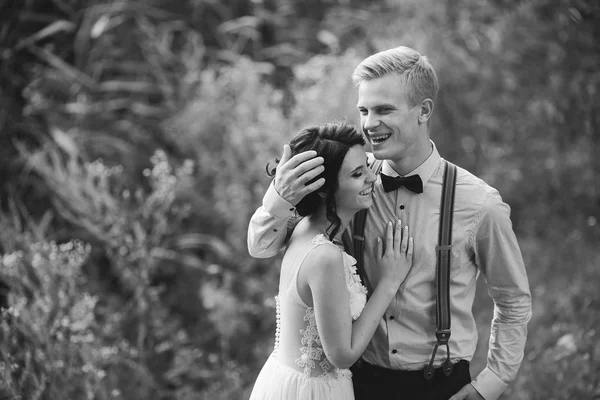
pixel 378 138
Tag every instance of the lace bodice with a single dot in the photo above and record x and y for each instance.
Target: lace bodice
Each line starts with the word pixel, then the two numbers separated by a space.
pixel 312 358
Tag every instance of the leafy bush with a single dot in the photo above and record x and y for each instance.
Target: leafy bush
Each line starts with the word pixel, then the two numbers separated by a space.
pixel 49 349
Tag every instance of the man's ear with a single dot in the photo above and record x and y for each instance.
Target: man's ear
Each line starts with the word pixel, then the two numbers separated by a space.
pixel 426 111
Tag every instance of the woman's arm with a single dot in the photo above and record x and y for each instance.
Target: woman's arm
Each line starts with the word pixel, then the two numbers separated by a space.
pixel 344 341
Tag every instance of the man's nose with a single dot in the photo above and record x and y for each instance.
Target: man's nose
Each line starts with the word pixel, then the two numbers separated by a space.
pixel 370 122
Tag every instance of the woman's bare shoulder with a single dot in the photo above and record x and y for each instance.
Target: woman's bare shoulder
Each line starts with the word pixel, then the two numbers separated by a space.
pixel 324 258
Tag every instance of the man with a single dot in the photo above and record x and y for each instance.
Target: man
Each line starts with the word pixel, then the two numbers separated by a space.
pixel 396 93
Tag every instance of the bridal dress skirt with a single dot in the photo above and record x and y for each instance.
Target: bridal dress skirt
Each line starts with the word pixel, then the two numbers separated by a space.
pixel 277 381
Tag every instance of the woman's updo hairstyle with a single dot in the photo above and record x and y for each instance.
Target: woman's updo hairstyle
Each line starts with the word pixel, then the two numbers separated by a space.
pixel 331 141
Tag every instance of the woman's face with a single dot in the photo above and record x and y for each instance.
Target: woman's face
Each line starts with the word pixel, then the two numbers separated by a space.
pixel 355 179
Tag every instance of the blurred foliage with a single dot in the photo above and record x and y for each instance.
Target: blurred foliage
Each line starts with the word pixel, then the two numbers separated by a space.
pixel 133 141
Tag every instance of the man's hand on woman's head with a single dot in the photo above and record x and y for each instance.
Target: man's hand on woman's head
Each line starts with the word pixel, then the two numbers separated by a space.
pixel 293 174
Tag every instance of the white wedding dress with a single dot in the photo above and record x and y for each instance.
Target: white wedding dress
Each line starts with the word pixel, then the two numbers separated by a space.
pixel 297 369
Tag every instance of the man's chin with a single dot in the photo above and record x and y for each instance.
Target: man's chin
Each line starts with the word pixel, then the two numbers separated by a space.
pixel 380 153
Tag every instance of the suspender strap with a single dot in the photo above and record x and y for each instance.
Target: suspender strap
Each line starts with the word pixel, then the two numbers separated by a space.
pixel 358 236
pixel 358 241
pixel 443 250
pixel 347 241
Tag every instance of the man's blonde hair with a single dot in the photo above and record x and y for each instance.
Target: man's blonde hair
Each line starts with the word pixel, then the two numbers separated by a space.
pixel 412 69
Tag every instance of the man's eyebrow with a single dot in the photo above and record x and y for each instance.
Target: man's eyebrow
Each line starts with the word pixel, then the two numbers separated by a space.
pixel 384 105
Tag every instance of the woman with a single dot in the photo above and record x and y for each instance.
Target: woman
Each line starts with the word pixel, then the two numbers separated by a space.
pixel 323 323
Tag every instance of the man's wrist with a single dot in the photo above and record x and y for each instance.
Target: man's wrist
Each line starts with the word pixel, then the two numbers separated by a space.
pixel 277 205
pixel 488 384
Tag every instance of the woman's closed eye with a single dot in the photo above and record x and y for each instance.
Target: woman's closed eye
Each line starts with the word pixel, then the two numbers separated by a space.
pixel 357 172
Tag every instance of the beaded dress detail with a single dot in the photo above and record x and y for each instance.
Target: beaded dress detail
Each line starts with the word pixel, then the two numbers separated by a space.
pixel 278 325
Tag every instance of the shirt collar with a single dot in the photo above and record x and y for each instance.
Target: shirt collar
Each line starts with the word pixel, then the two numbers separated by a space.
pixel 425 170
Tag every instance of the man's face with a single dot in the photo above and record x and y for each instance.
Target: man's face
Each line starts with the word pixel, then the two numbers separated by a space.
pixel 391 126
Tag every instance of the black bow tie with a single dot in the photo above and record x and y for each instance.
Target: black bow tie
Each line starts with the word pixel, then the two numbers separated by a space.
pixel 412 183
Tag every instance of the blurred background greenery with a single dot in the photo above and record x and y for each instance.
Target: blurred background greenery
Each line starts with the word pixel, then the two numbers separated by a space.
pixel 133 140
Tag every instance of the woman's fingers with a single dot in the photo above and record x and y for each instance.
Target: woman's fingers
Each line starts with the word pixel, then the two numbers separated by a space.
pixel 389 238
pixel 404 243
pixel 397 239
pixel 379 249
pixel 398 235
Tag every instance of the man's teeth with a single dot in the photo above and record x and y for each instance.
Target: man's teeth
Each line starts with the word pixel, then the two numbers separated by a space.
pixel 380 138
pixel 368 191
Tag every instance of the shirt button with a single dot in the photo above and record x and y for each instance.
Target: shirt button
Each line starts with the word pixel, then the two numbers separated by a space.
pixel 274 230
pixel 402 206
pixel 391 317
pixel 394 351
pixel 292 209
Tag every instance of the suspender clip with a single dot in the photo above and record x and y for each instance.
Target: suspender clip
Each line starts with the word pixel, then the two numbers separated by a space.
pixel 429 372
pixel 442 335
pixel 448 366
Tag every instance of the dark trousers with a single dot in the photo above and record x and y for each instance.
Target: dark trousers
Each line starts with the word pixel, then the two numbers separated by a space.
pixel 374 383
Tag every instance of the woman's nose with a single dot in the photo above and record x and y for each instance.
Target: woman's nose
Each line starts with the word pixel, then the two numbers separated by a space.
pixel 372 177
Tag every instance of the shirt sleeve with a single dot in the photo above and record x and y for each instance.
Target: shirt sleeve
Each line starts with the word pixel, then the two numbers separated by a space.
pixel 268 228
pixel 498 256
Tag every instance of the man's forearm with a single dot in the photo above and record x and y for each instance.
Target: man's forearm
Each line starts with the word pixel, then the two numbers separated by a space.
pixel 268 228
pixel 266 234
pixel 506 347
pixel 499 258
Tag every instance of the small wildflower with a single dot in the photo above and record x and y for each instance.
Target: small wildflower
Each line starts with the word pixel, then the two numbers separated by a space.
pixel 108 351
pixel 10 260
pixel 37 260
